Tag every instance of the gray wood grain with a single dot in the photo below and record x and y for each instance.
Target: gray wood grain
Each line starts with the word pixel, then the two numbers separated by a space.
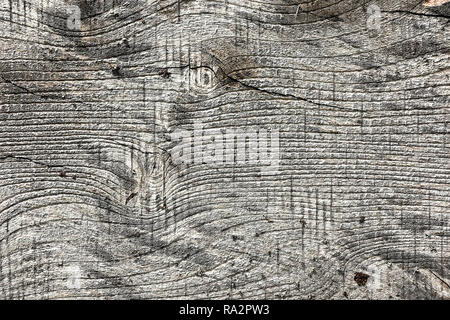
pixel 93 205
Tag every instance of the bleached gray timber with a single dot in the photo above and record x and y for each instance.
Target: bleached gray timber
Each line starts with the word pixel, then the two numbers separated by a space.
pixel 92 204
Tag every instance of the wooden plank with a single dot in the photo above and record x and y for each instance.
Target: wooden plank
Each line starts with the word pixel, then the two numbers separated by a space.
pixel 337 186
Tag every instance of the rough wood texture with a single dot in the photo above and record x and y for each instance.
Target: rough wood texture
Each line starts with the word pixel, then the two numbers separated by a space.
pixel 92 205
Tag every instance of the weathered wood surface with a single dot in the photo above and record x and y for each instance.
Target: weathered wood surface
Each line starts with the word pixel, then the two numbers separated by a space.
pixel 92 205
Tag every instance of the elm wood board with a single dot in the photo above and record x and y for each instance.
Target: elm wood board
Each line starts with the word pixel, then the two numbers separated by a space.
pixel 92 205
